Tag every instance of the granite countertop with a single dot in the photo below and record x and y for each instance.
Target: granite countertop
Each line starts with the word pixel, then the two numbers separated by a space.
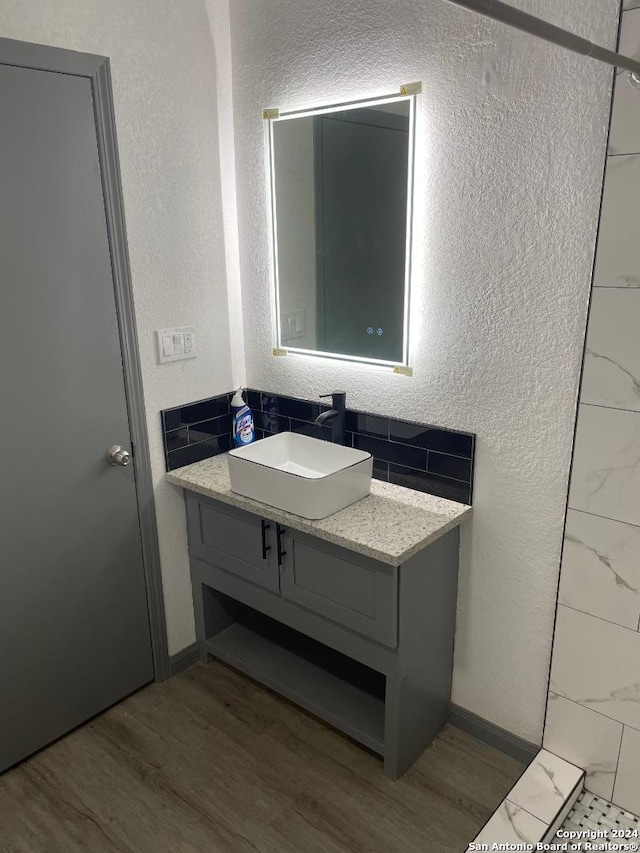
pixel 390 525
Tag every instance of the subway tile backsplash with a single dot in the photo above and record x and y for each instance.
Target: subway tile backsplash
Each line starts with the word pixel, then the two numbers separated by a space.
pixel 390 451
pixel 200 412
pixel 197 431
pixel 418 456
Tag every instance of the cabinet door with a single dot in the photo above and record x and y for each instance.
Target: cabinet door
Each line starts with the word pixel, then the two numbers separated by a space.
pixel 354 591
pixel 233 540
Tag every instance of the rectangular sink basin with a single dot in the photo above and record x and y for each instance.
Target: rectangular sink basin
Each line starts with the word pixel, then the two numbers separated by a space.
pixel 302 475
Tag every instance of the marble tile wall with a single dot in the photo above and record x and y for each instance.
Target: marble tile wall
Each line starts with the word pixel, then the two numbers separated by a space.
pixel 593 708
pixel 586 738
pixel 627 787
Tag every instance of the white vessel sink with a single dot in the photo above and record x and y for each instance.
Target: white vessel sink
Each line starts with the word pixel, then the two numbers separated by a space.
pixel 302 475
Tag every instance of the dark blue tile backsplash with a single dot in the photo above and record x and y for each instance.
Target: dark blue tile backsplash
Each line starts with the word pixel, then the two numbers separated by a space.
pixel 418 456
pixel 197 431
pixel 204 410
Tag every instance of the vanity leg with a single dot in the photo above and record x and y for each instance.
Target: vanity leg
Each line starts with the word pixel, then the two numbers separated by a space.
pixel 211 615
pixel 413 718
pixel 391 757
pixel 418 693
pixel 198 612
pixel 197 590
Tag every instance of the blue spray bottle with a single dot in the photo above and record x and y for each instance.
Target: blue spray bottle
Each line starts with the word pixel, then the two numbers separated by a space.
pixel 243 432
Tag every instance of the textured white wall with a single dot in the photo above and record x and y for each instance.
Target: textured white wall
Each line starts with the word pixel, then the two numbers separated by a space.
pixel 511 145
pixel 220 23
pixel 164 79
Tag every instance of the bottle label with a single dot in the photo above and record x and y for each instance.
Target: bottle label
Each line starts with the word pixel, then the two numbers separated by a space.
pixel 244 428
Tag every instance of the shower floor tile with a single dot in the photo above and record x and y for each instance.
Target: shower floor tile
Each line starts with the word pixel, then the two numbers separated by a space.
pixel 594 813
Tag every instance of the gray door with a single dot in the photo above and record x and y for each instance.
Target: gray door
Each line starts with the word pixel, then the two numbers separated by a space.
pixel 74 625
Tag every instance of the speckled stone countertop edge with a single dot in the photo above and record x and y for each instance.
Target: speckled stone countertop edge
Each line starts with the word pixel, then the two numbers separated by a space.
pixel 191 478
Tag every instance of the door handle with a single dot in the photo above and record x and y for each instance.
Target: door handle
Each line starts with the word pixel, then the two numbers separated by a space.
pixel 265 547
pixel 281 552
pixel 117 456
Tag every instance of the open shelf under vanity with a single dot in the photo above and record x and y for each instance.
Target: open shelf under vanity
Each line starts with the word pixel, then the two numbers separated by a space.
pixel 339 690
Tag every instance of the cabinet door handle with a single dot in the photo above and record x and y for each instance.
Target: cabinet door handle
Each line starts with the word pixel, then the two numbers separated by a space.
pixel 281 552
pixel 265 547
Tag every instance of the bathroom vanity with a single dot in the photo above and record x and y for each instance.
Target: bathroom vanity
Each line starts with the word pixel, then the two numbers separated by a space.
pixel 351 616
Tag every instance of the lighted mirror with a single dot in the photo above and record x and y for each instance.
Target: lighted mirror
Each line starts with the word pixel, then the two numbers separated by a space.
pixel 342 183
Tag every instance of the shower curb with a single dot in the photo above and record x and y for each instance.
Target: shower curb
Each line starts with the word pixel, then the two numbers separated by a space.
pixel 537 805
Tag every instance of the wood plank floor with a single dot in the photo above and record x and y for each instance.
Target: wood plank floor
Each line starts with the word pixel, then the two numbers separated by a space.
pixel 210 762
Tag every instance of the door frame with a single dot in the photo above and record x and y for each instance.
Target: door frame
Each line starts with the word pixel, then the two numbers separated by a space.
pixel 97 69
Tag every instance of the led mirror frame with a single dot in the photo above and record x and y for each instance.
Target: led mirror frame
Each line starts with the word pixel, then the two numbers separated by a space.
pixel 279 348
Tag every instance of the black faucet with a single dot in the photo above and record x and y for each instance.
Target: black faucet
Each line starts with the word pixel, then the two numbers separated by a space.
pixel 336 415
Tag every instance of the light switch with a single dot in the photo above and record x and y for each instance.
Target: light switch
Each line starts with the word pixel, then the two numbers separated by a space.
pixel 176 344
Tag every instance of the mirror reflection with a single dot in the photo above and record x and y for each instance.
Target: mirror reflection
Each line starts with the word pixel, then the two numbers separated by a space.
pixel 341 183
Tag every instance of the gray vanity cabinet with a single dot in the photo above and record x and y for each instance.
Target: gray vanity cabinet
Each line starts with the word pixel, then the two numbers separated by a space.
pixel 343 586
pixel 236 541
pixel 364 645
